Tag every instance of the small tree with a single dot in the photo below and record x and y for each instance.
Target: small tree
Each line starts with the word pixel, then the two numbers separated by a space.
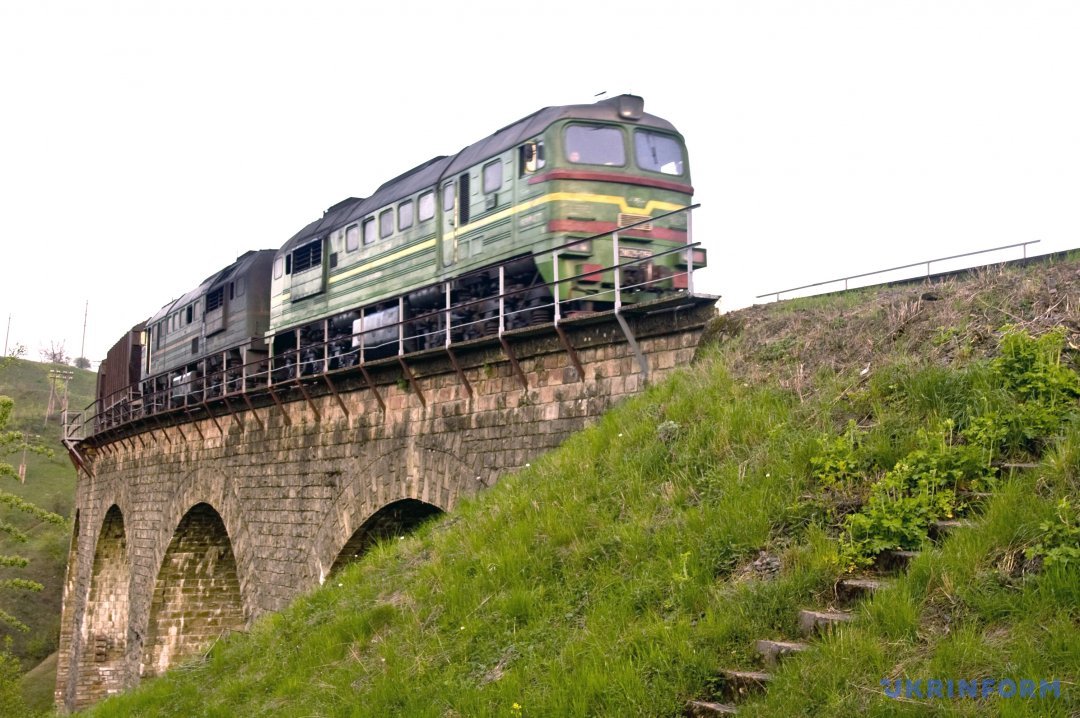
pixel 55 353
pixel 12 442
pixel 12 703
pixel 82 363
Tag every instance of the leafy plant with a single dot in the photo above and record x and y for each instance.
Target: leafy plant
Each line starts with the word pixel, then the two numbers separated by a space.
pixel 839 462
pixel 1040 395
pixel 1059 541
pixel 919 490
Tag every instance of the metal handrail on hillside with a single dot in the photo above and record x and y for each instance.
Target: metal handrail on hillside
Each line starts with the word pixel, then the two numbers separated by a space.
pixel 245 380
pixel 926 262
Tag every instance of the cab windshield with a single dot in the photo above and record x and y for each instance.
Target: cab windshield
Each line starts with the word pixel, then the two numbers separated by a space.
pixel 594 145
pixel 658 153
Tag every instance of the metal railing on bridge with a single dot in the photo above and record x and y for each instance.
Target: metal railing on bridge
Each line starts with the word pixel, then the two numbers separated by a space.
pixel 178 394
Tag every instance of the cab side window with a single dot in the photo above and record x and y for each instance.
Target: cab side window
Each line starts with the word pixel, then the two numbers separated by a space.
pixel 531 157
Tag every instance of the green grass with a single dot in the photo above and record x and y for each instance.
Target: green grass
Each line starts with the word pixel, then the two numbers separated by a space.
pixel 616 576
pixel 38 685
pixel 584 585
pixel 610 578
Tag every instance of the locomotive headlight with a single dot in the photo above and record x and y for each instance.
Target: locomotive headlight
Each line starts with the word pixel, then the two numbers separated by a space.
pixel 580 248
pixel 631 107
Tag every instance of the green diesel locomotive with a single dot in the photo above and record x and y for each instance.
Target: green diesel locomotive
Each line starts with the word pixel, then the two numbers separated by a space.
pixel 428 245
pixel 527 222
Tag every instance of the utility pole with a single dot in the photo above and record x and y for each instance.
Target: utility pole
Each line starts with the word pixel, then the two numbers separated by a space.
pixel 54 396
pixel 22 466
pixel 8 334
pixel 86 313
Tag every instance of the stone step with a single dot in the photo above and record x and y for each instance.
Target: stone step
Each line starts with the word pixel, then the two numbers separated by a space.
pixel 854 589
pixel 704 709
pixel 772 651
pixel 737 685
pixel 895 560
pixel 812 622
pixel 941 529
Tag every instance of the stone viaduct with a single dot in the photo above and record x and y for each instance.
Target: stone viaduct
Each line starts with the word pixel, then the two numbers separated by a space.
pixel 185 531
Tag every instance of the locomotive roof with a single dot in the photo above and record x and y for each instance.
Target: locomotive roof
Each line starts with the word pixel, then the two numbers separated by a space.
pixel 238 268
pixel 432 172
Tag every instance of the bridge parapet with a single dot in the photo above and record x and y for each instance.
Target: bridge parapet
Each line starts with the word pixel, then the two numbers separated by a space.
pixel 286 484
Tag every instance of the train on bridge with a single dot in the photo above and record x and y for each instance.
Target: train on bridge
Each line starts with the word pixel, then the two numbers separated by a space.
pixel 571 210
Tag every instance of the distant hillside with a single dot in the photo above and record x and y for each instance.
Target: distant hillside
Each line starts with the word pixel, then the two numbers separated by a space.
pixel 50 483
pixel 637 567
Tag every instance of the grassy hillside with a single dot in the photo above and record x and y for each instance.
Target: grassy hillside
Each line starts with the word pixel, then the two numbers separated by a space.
pixel 50 483
pixel 622 573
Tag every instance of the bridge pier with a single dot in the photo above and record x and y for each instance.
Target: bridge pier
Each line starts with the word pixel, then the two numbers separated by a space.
pixel 194 529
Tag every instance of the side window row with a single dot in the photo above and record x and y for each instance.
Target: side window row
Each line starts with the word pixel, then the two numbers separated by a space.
pixel 423 208
pixel 178 319
pixel 408 212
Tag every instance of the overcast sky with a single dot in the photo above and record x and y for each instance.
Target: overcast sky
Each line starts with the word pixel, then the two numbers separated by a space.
pixel 145 144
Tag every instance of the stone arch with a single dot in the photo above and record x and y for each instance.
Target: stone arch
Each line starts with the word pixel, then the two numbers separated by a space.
pixel 196 595
pixel 394 519
pixel 414 468
pixel 102 669
pixel 192 488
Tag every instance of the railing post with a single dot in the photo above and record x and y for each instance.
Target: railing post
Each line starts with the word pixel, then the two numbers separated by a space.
pixel 502 299
pixel 618 278
pixel 326 345
pixel 401 326
pixel 447 285
pixel 556 285
pixel 363 311
pixel 690 252
pixel 270 364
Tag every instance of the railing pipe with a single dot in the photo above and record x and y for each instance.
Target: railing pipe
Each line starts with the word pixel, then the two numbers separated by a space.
pixel 927 262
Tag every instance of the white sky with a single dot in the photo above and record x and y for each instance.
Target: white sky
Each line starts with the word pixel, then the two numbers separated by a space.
pixel 145 144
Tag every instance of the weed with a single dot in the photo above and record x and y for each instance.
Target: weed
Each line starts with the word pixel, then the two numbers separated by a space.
pixel 1058 542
